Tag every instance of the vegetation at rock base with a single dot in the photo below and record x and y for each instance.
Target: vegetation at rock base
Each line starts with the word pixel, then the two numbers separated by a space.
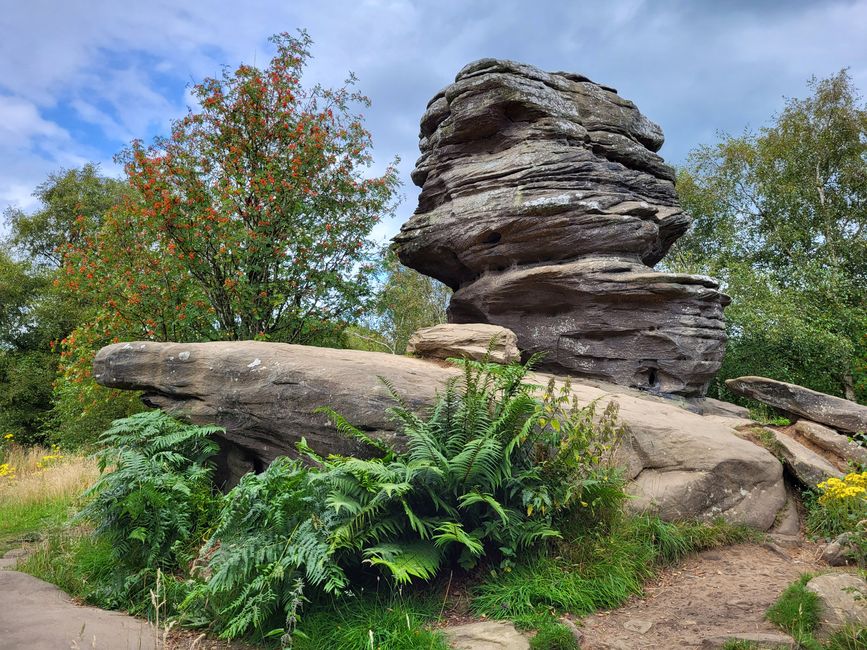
pixel 780 216
pixel 339 549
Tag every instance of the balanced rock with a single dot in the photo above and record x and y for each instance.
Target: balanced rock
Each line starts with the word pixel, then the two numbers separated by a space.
pixel 476 341
pixel 680 465
pixel 836 412
pixel 544 206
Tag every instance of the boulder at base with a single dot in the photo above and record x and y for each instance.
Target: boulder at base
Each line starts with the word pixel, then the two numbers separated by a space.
pixel 842 601
pixel 477 341
pixel 836 412
pixel 680 464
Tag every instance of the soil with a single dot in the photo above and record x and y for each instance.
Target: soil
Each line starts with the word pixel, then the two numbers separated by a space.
pixel 715 593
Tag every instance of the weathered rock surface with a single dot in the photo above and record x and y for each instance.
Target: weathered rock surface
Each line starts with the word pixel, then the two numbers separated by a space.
pixel 680 464
pixel 486 635
pixel 842 601
pixel 469 341
pixel 836 412
pixel 838 552
pixel 830 440
pixel 544 205
pixel 806 465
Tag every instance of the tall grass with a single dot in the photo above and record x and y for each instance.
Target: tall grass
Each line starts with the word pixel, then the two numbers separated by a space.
pixel 38 489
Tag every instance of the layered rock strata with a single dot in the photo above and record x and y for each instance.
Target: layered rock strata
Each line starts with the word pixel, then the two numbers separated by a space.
pixel 544 206
pixel 681 465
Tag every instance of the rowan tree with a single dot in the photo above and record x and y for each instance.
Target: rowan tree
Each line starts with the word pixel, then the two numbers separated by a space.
pixel 251 219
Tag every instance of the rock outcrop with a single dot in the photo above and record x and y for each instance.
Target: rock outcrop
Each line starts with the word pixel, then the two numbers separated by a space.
pixel 842 602
pixel 680 464
pixel 835 412
pixel 808 467
pixel 831 441
pixel 544 206
pixel 471 341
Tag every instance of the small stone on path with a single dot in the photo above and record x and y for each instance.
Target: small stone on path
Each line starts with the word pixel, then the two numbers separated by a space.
pixel 842 601
pixel 764 640
pixel 486 635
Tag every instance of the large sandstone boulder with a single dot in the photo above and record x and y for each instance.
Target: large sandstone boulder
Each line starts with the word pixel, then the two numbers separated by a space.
pixel 680 464
pixel 836 412
pixel 544 206
pixel 805 464
pixel 477 341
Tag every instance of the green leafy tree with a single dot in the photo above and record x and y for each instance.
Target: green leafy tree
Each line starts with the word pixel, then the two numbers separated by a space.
pixel 250 220
pixel 781 217
pixel 405 302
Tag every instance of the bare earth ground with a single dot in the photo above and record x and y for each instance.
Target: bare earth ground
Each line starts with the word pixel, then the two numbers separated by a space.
pixel 720 592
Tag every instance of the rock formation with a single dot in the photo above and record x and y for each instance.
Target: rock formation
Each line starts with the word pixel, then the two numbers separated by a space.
pixel 473 341
pixel 836 412
pixel 544 206
pixel 680 464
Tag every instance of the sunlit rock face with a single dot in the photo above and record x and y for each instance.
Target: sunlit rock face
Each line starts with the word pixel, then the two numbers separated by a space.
pixel 545 207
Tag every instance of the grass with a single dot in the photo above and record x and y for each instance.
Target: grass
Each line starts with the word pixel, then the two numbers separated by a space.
pixel 38 491
pixel 597 571
pixel 797 612
pixel 553 635
pixel 364 622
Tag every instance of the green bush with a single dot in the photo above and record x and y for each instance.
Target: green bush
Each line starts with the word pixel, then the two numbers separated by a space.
pixel 489 473
pixel 156 502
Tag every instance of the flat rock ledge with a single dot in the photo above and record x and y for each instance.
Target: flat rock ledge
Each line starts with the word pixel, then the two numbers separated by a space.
pixel 835 412
pixel 680 465
pixel 477 341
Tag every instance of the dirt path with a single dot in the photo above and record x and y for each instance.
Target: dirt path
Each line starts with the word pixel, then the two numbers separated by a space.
pixel 714 593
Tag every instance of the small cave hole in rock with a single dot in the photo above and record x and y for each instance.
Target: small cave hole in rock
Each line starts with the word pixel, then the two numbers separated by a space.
pixel 493 238
pixel 652 378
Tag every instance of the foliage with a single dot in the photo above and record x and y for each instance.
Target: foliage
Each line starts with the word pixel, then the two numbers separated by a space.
pixel 840 506
pixel 781 217
pixel 250 219
pixel 360 621
pixel 156 500
pixel 405 302
pixel 797 612
pixel 486 474
pixel 271 537
pixel 37 310
pixel 597 569
pixel 553 635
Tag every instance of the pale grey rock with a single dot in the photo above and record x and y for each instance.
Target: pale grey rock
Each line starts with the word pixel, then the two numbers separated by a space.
pixel 486 635
pixel 478 341
pixel 544 205
pixel 788 522
pixel 638 625
pixel 680 465
pixel 835 412
pixel 842 601
pixel 711 406
pixel 762 640
pixel 830 440
pixel 837 552
pixel 805 464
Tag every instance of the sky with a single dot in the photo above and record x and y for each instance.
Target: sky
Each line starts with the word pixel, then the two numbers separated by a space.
pixel 79 79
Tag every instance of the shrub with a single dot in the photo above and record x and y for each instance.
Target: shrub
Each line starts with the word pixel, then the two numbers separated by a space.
pixel 797 611
pixel 157 500
pixel 488 473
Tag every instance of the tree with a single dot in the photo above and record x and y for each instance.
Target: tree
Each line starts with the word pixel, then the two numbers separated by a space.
pixel 250 220
pixel 37 311
pixel 781 217
pixel 405 302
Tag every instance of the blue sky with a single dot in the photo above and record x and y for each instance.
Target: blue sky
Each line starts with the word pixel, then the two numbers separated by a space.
pixel 80 79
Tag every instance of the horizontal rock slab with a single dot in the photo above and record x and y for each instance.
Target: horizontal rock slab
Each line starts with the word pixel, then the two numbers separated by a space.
pixel 486 635
pixel 836 412
pixel 830 440
pixel 805 464
pixel 680 464
pixel 476 341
